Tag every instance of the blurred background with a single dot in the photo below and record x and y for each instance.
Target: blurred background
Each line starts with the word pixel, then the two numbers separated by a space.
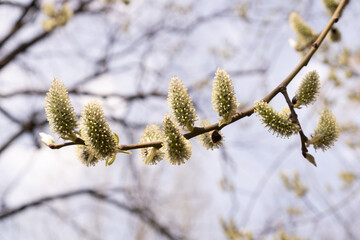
pixel 123 53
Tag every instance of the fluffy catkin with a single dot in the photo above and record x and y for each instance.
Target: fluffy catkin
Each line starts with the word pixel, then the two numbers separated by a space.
pixel 180 103
pixel 59 111
pixel 330 5
pixel 278 124
pixel 327 131
pixel 96 131
pixel 308 89
pixel 86 155
pixel 304 32
pixel 206 138
pixel 151 155
pixel 177 148
pixel 223 95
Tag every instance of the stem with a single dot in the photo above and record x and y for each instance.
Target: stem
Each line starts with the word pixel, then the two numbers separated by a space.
pixel 78 141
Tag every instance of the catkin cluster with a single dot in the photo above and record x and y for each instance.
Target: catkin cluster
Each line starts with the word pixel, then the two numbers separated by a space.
pixel 305 34
pixel 56 18
pixel 176 147
pixel 100 141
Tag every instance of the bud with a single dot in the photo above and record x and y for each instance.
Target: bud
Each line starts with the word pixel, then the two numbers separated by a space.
pixel 223 96
pixel 308 89
pixel 96 131
pixel 151 155
pixel 279 124
pixel 330 5
pixel 310 158
pixel 59 111
pixel 334 35
pixel 327 131
pixel 294 44
pixel 210 140
pixel 177 148
pixel 46 139
pixel 180 102
pixel 304 32
pixel 86 155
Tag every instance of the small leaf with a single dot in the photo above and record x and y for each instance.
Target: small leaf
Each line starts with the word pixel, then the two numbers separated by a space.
pixel 311 159
pixel 116 138
pixel 108 163
pixel 126 152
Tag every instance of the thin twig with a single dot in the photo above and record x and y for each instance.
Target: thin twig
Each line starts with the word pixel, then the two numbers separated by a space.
pixel 78 141
pixel 295 120
pixel 142 213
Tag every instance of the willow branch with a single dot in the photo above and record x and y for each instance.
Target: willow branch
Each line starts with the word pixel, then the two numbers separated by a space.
pixel 248 112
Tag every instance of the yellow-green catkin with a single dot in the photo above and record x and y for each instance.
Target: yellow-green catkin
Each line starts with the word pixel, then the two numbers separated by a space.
pixel 180 103
pixel 281 235
pixel 294 184
pixel 96 132
pixel 223 96
pixel 304 32
pixel 348 177
pixel 56 18
pixel 308 89
pixel 210 140
pixel 232 232
pixel 330 5
pixel 278 124
pixel 151 155
pixel 177 148
pixel 327 131
pixel 86 155
pixel 59 111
